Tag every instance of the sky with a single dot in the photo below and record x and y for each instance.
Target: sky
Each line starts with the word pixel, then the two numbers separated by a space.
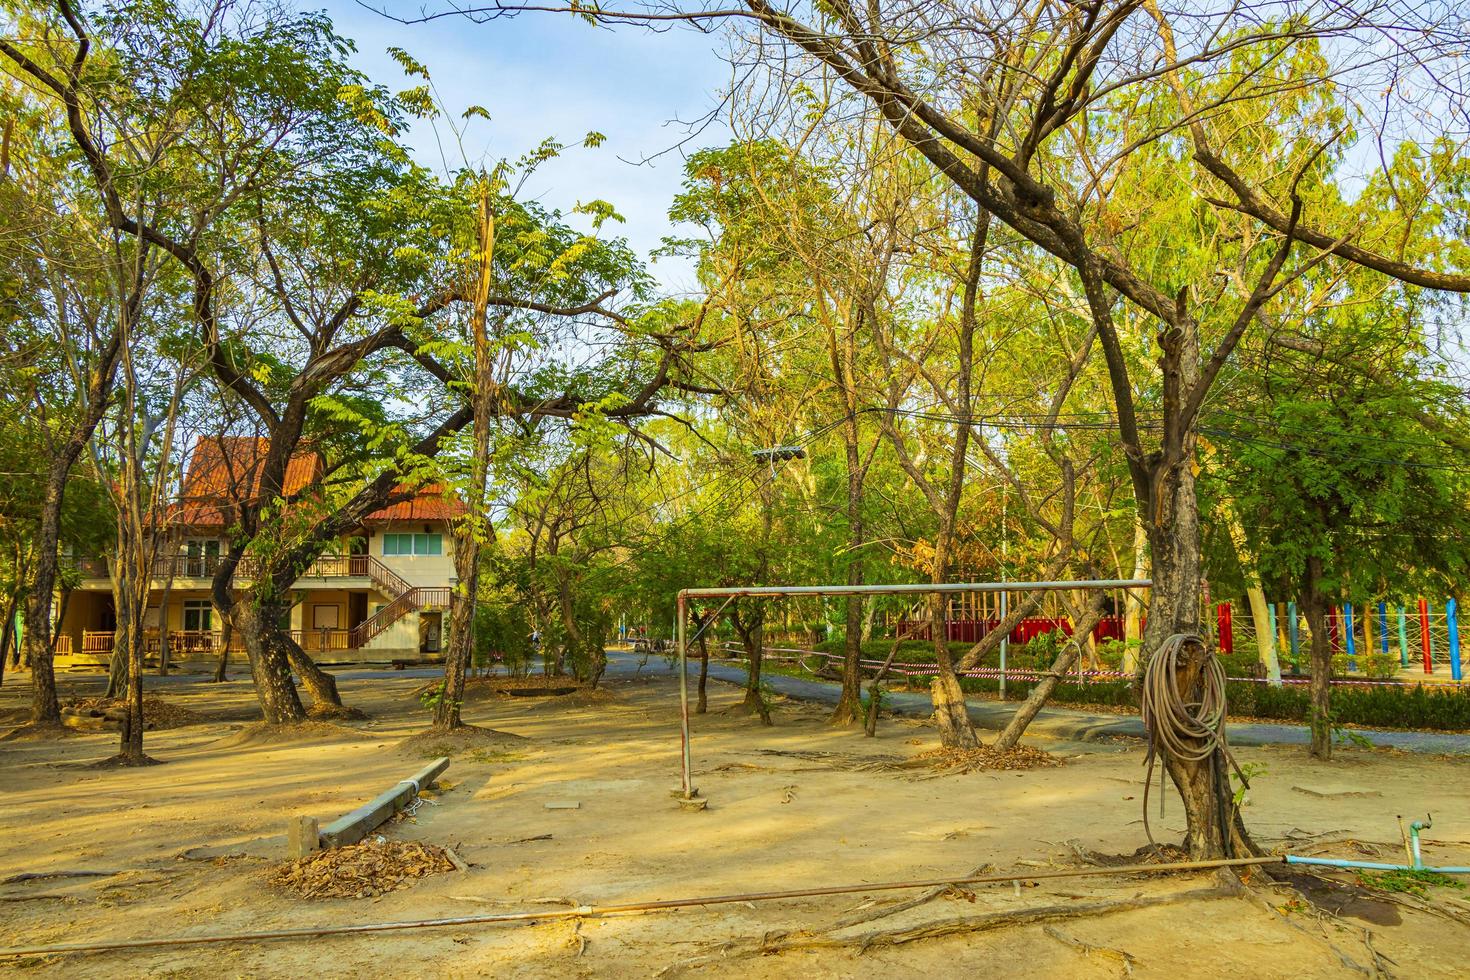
pixel 548 75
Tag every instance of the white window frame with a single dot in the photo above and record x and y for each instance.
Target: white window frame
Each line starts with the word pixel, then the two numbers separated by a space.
pixel 420 545
pixel 203 611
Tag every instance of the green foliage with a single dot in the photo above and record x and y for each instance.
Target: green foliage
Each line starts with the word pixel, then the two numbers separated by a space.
pixel 1374 664
pixel 503 634
pixel 885 702
pixel 1247 772
pixel 431 698
pixel 1387 706
pixel 1113 652
pixel 1407 881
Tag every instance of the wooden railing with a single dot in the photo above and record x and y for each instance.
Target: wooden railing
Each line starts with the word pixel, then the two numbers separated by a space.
pixel 410 601
pixel 96 642
pixel 63 644
pixel 322 640
pixel 387 580
pixel 204 566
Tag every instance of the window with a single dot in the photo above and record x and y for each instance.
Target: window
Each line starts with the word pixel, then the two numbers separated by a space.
pixel 198 616
pixel 413 544
pixel 202 555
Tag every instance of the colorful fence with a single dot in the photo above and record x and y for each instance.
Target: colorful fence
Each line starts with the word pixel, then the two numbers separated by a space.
pixel 807 658
pixel 975 630
pixel 1424 634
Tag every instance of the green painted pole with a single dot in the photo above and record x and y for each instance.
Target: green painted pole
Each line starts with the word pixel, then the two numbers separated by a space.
pixel 1403 637
pixel 1294 629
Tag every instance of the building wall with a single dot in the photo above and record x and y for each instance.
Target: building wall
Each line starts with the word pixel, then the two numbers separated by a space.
pixel 427 570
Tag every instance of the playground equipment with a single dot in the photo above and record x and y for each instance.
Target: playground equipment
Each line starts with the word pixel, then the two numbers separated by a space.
pixel 1356 629
pixel 687 793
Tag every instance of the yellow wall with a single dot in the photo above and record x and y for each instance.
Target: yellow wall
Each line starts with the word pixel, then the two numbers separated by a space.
pixel 429 570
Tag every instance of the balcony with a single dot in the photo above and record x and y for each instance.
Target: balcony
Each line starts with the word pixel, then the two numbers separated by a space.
pixel 177 567
pixel 186 643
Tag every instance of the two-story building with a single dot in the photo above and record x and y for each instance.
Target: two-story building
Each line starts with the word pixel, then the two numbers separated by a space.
pixel 380 594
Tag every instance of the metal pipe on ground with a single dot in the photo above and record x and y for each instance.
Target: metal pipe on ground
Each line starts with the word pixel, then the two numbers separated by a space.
pixel 592 911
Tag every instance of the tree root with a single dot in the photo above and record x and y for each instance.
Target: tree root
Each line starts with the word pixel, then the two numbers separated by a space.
pixel 1089 950
pixel 1377 963
pixel 887 910
pixel 780 942
pixel 124 761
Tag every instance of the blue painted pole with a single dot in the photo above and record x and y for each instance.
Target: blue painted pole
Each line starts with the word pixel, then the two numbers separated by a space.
pixel 1294 632
pixel 1450 608
pixel 1383 626
pixel 1347 629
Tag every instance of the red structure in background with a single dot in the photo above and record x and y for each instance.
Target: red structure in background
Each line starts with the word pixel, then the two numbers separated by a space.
pixel 1225 623
pixel 975 630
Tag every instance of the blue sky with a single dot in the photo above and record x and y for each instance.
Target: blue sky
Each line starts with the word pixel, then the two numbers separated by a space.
pixel 547 75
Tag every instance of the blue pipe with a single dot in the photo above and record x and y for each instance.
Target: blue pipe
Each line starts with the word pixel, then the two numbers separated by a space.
pixel 1370 865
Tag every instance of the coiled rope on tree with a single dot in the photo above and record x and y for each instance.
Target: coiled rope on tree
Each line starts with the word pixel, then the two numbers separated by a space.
pixel 1189 727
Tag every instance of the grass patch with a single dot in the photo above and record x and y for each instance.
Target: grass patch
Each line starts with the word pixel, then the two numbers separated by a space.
pixel 1407 882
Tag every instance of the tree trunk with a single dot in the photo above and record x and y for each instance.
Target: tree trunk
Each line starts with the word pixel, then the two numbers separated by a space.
pixel 117 661
pixel 848 711
pixel 226 636
pixel 701 704
pixel 321 685
pixel 1133 599
pixel 1039 695
pixel 753 639
pixel 875 690
pixel 467 533
pixel 163 632
pixel 1314 606
pixel 130 751
pixel 951 714
pixel 1265 635
pixel 269 667
pixel 7 633
pixel 461 629
pixel 1214 828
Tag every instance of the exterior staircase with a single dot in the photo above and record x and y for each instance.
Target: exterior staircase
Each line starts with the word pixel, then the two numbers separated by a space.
pixel 406 599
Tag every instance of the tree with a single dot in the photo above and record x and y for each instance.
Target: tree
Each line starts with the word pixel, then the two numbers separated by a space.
pixel 1066 122
pixel 1338 465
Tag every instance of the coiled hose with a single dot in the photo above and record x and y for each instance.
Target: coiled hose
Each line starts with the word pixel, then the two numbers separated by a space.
pixel 1190 731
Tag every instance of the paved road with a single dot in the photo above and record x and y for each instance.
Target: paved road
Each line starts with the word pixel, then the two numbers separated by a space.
pixel 1062 723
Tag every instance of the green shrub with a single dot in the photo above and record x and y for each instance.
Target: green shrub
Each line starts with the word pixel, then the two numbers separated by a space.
pixel 1379 666
pixel 1375 665
pixel 1112 653
pixel 1240 663
pixel 1377 706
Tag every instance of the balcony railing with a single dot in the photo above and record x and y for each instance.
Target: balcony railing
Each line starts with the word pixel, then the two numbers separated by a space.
pixel 322 640
pixel 204 566
pixel 96 642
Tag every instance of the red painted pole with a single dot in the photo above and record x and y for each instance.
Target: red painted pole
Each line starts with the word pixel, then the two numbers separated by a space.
pixel 1227 635
pixel 1424 636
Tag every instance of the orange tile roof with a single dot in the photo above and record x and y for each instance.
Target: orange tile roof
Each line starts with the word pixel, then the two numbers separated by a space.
pixel 225 470
pixel 429 504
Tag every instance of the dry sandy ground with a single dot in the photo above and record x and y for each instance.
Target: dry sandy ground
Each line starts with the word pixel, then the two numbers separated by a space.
pixel 774 822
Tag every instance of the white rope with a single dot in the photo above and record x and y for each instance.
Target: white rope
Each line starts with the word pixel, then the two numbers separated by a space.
pixel 415 801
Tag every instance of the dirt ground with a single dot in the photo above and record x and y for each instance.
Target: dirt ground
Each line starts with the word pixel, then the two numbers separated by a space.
pixel 790 806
